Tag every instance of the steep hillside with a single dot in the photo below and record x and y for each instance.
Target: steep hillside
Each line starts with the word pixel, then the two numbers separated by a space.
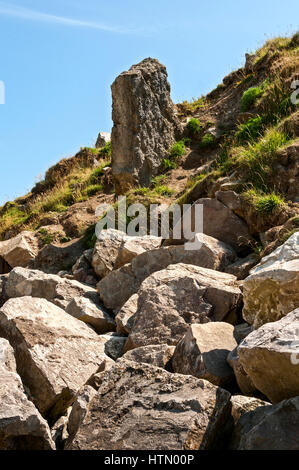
pixel 175 340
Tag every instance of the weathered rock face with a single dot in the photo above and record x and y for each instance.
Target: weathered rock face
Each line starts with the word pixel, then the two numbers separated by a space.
pixel 203 351
pixel 241 268
pixel 125 317
pixel 145 124
pixel 52 258
pixel 243 380
pixel 272 289
pixel 158 355
pixel 114 345
pixel 171 300
pixel 55 353
pixel 269 428
pixel 21 425
pixel 220 222
pixel 116 288
pixel 103 139
pixel 28 282
pixel 79 410
pixel 3 297
pixel 114 249
pixel 20 250
pixel 270 356
pixel 242 405
pixel 142 407
pixel 92 313
pixel 83 271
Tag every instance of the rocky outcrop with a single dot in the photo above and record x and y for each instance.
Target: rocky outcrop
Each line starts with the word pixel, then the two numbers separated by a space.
pixel 203 351
pixel 272 289
pixel 103 139
pixel 169 301
pixel 158 355
pixel 55 353
pixel 114 249
pixel 20 250
pixel 21 425
pixel 241 268
pixel 145 124
pixel 175 412
pixel 270 357
pixel 269 428
pixel 116 288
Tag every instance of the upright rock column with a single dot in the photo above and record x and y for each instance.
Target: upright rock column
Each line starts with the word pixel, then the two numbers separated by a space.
pixel 145 124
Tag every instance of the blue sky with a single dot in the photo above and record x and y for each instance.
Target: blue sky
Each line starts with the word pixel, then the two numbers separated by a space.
pixel 59 58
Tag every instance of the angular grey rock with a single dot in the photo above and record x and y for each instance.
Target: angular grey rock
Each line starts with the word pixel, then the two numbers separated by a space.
pixel 21 425
pixel 55 353
pixel 169 301
pixel 145 124
pixel 241 331
pixel 241 268
pixel 116 288
pixel 142 407
pixel 103 139
pixel 114 345
pixel 114 249
pixel 242 405
pixel 79 411
pixel 20 250
pixel 158 355
pixel 7 357
pixel 203 351
pixel 125 317
pixel 272 289
pixel 28 282
pixel 269 428
pixel 92 313
pixel 220 222
pixel 270 356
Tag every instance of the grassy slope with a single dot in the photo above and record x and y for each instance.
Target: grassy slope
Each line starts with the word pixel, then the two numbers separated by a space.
pixel 247 150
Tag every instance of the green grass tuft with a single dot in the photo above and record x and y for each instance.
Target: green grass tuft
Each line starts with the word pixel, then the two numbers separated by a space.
pixel 194 126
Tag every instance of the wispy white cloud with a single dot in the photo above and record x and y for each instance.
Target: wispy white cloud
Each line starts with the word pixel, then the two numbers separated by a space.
pixel 32 15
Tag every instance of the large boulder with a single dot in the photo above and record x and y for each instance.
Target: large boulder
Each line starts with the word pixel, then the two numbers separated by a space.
pixel 269 428
pixel 55 353
pixel 125 317
pixel 116 288
pixel 145 124
pixel 272 289
pixel 270 357
pixel 114 249
pixel 92 313
pixel 21 425
pixel 20 250
pixel 203 351
pixel 171 300
pixel 54 258
pixel 141 407
pixel 158 355
pixel 220 222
